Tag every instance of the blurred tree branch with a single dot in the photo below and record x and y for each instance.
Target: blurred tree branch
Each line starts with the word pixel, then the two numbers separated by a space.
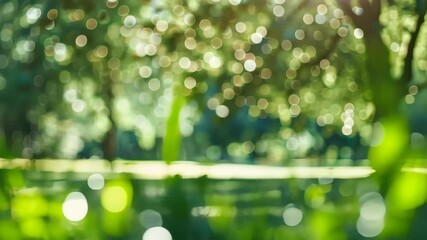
pixel 368 19
pixel 327 52
pixel 409 59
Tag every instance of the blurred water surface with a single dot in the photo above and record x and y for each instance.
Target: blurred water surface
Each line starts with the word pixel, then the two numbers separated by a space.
pixel 93 199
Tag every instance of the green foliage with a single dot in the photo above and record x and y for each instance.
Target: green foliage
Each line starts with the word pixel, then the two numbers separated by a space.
pixel 92 67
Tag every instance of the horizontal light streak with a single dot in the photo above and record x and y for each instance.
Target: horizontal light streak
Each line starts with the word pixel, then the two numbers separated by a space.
pixel 189 170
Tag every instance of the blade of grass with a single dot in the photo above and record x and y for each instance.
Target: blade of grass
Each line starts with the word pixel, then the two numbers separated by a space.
pixel 172 137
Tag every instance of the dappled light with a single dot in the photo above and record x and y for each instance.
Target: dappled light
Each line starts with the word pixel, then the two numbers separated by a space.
pixel 213 119
pixel 118 67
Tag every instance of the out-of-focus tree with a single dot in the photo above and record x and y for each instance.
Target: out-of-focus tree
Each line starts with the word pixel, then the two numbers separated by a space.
pixel 390 78
pixel 310 70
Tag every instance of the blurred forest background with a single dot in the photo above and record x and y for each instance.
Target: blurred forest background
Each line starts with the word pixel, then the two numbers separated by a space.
pixel 247 81
pixel 268 82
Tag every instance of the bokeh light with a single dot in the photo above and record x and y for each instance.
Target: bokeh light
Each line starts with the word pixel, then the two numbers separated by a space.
pixel 372 212
pixel 358 33
pixel 33 14
pixel 292 216
pixel 250 65
pixel 75 206
pixel 114 199
pixel 150 218
pixel 96 181
pixel 157 233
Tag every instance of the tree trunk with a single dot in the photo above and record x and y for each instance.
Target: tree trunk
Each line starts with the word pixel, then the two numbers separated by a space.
pixel 387 92
pixel 109 143
pixel 391 134
pixel 391 131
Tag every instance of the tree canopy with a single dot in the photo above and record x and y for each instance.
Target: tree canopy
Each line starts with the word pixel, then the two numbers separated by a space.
pixel 237 79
